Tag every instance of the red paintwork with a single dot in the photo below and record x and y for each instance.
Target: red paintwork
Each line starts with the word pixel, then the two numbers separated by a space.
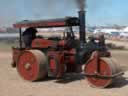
pixel 62 43
pixel 105 69
pixel 72 58
pixel 56 63
pixel 53 63
pixel 40 24
pixel 62 66
pixel 56 23
pixel 31 65
pixel 43 43
pixel 61 60
pixel 32 73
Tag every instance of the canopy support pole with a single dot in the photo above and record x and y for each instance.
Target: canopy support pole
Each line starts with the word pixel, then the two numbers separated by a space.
pixel 20 41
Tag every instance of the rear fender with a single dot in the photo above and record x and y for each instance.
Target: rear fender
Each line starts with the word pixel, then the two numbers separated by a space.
pixel 15 55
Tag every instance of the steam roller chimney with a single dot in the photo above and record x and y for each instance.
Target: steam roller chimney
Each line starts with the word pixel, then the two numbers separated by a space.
pixel 82 32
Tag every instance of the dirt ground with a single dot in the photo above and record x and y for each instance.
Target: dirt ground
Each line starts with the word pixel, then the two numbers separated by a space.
pixel 11 84
pixel 118 43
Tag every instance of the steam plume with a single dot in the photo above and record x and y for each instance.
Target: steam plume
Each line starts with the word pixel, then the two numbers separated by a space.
pixel 81 4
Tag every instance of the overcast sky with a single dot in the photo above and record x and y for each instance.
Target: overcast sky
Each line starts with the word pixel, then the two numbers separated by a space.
pixel 99 12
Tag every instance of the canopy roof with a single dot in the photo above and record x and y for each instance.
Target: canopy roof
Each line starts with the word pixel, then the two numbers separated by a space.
pixel 61 22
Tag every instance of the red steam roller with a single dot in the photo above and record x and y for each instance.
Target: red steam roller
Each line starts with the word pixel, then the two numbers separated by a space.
pixel 39 57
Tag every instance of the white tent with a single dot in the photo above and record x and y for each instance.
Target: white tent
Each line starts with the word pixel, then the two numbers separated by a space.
pixel 125 29
pixel 106 30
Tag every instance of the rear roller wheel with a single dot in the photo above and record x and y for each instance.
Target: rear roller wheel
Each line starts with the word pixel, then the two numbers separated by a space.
pixel 106 67
pixel 32 65
pixel 56 64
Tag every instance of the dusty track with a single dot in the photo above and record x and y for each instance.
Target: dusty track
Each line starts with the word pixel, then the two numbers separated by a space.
pixel 11 84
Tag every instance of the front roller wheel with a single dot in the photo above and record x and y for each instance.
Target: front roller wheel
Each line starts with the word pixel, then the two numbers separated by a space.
pixel 32 65
pixel 106 68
